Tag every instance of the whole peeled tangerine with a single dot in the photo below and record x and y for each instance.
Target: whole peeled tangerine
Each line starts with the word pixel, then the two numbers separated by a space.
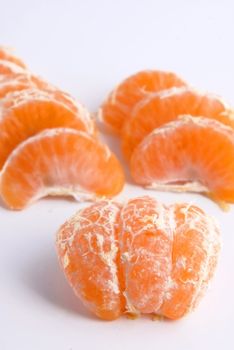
pixel 139 258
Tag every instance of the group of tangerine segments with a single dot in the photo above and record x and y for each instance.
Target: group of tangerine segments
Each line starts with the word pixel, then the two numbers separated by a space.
pixel 173 136
pixel 141 257
pixel 48 142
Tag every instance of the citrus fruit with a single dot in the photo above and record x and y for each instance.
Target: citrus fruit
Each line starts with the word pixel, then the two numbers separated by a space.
pixel 194 255
pixel 88 248
pixel 118 106
pixel 142 257
pixel 7 54
pixel 27 112
pixel 59 161
pixel 195 154
pixel 9 68
pixel 17 82
pixel 158 109
pixel 145 235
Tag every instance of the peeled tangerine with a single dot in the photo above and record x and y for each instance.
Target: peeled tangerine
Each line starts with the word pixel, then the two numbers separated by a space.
pixel 60 161
pixel 139 258
pixel 195 154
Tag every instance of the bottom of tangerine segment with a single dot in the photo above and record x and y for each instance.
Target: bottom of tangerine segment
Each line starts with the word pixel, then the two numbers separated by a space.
pixel 187 187
pixel 74 192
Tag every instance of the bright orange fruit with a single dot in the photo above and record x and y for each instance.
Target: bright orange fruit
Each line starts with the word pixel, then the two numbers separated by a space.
pixel 9 68
pixel 118 106
pixel 7 54
pixel 16 82
pixel 194 255
pixel 139 258
pixel 27 112
pixel 194 154
pixel 88 248
pixel 145 238
pixel 59 161
pixel 158 109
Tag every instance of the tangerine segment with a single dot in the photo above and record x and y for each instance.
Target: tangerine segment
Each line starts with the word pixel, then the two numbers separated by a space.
pixel 16 82
pixel 145 244
pixel 87 248
pixel 195 251
pixel 8 67
pixel 27 112
pixel 7 54
pixel 116 109
pixel 158 109
pixel 195 154
pixel 59 161
pixel 12 85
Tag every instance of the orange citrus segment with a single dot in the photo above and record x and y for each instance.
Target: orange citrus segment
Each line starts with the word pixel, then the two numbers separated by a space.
pixel 7 54
pixel 12 85
pixel 187 154
pixel 195 250
pixel 87 247
pixel 9 68
pixel 118 106
pixel 145 247
pixel 158 109
pixel 16 82
pixel 27 112
pixel 59 162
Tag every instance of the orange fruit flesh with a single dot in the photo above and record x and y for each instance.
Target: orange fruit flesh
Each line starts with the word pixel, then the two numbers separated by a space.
pixel 116 109
pixel 10 86
pixel 8 55
pixel 145 237
pixel 159 109
pixel 16 82
pixel 27 112
pixel 9 68
pixel 59 162
pixel 195 250
pixel 184 152
pixel 142 257
pixel 87 247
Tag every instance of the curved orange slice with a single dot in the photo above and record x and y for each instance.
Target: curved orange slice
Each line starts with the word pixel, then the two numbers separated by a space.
pixel 158 109
pixel 17 82
pixel 145 248
pixel 118 106
pixel 27 112
pixel 59 161
pixel 9 68
pixel 7 54
pixel 195 154
pixel 141 257
pixel 87 247
pixel 194 256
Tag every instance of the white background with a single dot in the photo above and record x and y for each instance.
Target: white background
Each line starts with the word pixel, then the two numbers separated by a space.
pixel 86 47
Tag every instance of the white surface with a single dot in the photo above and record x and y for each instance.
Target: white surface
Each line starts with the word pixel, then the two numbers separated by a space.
pixel 86 47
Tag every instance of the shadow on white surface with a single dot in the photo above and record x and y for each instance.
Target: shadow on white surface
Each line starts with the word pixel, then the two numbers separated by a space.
pixel 44 277
pixel 2 205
